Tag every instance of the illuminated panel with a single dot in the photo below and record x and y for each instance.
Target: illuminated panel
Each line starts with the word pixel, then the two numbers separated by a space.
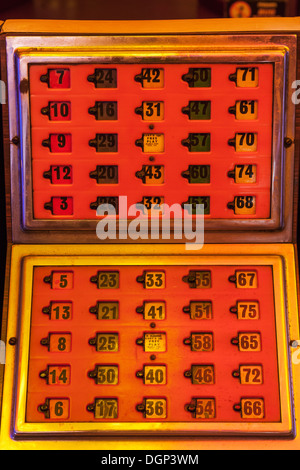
pixel 178 133
pixel 190 346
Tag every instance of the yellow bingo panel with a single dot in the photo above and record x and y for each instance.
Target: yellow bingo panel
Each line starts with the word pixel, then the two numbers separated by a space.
pixel 151 188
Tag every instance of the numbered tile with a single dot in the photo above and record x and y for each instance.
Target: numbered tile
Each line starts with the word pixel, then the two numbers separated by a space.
pixel 249 374
pixel 151 174
pixel 106 310
pixel 105 143
pixel 152 279
pixel 104 408
pixel 104 78
pixel 197 174
pixel 243 205
pixel 105 174
pixel 246 310
pixel 104 110
pixel 151 78
pixel 56 375
pixel 245 110
pixel 58 342
pixel 251 408
pixel 59 311
pixel 62 205
pixel 243 174
pixel 198 279
pixel 196 205
pixel 198 77
pixel 199 310
pixel 153 310
pixel 57 78
pixel 153 374
pixel 245 77
pixel 59 174
pixel 58 111
pixel 151 205
pixel 106 279
pixel 151 110
pixel 60 280
pixel 201 342
pixel 58 143
pixel 198 110
pixel 105 342
pixel 197 142
pixel 202 408
pixel 106 204
pixel 56 409
pixel 201 374
pixel 244 279
pixel 244 142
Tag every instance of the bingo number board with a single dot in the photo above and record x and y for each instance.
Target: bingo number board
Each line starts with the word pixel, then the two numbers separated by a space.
pixel 150 342
pixel 190 347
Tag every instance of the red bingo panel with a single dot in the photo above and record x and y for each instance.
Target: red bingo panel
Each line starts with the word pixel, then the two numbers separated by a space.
pixel 173 133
